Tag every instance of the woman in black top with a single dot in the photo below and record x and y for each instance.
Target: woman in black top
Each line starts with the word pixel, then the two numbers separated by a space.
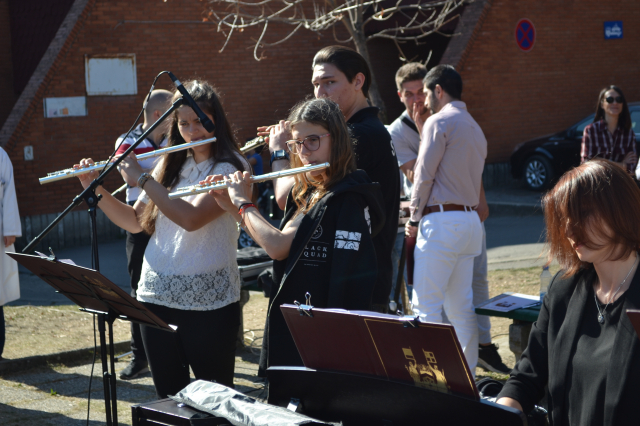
pixel 583 345
pixel 324 245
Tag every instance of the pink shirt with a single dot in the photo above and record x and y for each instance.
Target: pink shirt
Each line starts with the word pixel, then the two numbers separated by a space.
pixel 450 161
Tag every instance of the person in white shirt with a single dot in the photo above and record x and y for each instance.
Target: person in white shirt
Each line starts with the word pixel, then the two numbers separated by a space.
pixel 158 103
pixel 190 276
pixel 446 192
pixel 11 228
pixel 405 136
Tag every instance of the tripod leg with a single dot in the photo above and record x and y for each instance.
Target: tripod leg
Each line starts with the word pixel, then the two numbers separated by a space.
pixel 112 376
pixel 105 366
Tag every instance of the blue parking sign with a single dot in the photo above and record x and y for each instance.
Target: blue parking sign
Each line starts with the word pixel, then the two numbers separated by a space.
pixel 612 29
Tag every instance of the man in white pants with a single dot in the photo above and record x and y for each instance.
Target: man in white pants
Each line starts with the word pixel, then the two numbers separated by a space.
pixel 446 191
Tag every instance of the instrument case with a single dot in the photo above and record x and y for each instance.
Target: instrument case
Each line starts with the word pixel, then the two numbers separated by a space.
pixel 167 412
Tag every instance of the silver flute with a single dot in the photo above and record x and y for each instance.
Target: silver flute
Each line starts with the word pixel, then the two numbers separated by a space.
pixel 67 173
pixel 254 143
pixel 199 189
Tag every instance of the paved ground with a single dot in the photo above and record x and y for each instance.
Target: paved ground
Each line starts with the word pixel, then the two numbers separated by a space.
pixel 57 394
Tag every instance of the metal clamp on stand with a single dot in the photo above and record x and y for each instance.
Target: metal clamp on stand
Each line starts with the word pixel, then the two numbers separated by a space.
pixel 293 404
pixel 412 323
pixel 305 309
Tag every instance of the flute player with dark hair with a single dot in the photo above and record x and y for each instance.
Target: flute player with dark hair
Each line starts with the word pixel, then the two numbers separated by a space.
pixel 189 275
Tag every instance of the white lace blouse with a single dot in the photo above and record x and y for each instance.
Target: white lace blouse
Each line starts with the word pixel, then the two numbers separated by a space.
pixel 196 270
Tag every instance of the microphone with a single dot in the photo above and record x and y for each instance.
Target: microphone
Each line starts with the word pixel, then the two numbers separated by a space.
pixel 206 122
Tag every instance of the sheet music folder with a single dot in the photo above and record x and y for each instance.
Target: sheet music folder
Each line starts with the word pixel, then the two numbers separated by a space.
pixel 89 289
pixel 427 355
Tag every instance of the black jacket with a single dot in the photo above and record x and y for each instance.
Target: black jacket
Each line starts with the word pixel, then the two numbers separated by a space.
pixel 375 155
pixel 552 345
pixel 332 257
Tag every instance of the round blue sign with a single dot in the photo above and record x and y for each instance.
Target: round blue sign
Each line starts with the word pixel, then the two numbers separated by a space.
pixel 525 34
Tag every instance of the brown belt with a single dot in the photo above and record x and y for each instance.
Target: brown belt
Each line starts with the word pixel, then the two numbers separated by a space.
pixel 446 208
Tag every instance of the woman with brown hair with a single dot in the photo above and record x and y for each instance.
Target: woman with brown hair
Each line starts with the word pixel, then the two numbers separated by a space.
pixel 324 244
pixel 189 275
pixel 610 136
pixel 583 346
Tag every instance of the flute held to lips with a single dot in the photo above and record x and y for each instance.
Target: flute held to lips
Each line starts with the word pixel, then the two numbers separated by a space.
pixel 199 189
pixel 67 173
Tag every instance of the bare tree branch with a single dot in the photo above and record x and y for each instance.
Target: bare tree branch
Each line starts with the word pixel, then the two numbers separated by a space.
pixel 407 20
pixel 413 19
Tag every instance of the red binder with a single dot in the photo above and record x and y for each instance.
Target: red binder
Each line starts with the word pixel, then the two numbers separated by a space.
pixel 427 355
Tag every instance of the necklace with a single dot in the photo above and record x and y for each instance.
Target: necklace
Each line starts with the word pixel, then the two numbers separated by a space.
pixel 595 297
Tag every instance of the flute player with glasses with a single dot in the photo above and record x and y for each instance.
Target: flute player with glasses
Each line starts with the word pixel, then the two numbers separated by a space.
pixel 189 276
pixel 324 243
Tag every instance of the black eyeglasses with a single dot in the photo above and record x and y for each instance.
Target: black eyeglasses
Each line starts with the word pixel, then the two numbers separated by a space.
pixel 312 143
pixel 617 99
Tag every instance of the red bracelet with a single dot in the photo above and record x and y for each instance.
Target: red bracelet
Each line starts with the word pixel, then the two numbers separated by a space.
pixel 245 206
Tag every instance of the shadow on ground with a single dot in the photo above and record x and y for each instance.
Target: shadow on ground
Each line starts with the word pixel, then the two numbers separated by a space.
pixel 10 416
pixel 76 384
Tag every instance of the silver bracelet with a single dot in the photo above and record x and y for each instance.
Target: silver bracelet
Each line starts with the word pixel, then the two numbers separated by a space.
pixel 143 179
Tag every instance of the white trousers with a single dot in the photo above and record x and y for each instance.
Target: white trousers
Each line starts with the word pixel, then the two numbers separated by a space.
pixel 446 246
pixel 480 288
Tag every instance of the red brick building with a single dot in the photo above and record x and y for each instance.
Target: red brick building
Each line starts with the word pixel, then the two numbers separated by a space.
pixel 514 95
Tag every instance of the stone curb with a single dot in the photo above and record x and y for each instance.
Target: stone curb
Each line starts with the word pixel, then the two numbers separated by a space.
pixel 500 208
pixel 21 364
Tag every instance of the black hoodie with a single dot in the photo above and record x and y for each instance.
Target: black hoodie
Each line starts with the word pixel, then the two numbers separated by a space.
pixel 332 257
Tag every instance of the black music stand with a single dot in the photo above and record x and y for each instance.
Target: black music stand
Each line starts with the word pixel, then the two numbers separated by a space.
pixel 94 293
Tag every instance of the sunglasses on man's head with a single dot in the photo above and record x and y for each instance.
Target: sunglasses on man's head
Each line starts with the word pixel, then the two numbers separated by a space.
pixel 618 99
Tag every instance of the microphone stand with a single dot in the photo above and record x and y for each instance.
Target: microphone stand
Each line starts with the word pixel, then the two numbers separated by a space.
pixel 91 198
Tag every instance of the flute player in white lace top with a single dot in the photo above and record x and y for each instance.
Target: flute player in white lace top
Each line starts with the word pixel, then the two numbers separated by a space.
pixel 189 276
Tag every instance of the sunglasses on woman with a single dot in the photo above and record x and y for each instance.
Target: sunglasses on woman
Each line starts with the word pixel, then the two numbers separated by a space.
pixel 312 143
pixel 617 99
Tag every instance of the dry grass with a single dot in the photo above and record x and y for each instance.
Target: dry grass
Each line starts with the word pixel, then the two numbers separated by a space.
pixel 525 281
pixel 41 330
pixel 38 330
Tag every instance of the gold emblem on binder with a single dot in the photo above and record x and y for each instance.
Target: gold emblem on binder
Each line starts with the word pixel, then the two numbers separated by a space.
pixel 427 375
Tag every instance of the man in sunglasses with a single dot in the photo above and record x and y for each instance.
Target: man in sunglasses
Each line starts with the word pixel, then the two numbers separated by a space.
pixel 342 74
pixel 610 136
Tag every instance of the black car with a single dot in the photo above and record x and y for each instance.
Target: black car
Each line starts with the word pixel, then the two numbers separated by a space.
pixel 539 162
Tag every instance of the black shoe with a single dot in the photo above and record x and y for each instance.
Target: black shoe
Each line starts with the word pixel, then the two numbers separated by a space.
pixel 489 359
pixel 133 370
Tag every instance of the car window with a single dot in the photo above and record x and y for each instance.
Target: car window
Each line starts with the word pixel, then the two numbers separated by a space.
pixel 635 121
pixel 584 123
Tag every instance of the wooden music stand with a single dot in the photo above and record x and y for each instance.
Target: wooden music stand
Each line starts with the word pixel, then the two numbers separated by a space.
pixel 94 293
pixel 364 368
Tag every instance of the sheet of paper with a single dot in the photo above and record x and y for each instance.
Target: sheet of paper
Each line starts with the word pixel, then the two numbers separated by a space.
pixel 511 302
pixel 67 261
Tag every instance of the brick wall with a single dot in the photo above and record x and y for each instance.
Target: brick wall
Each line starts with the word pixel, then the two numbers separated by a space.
pixel 516 96
pixel 255 93
pixel 7 95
